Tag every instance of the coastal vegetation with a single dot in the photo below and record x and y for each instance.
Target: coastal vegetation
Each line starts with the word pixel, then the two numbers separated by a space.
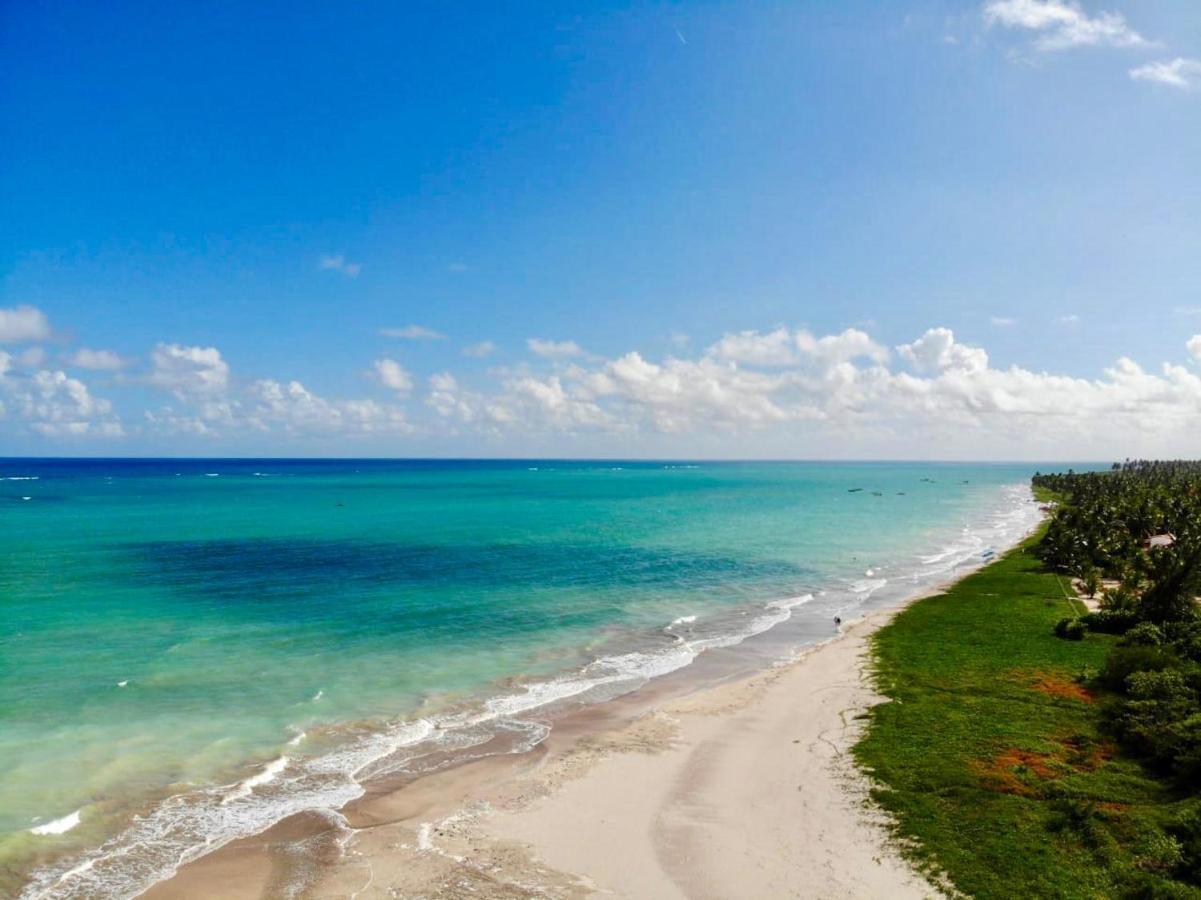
pixel 1039 746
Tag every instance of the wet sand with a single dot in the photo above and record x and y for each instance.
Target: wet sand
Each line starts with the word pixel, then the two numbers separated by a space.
pixel 744 789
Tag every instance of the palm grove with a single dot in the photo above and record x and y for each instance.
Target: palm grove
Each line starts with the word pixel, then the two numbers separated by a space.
pixel 1101 534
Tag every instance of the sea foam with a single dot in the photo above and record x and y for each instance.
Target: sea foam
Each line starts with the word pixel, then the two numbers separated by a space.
pixel 58 826
pixel 186 826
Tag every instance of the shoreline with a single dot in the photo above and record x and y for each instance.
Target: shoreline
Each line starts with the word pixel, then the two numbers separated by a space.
pixel 662 776
pixel 307 850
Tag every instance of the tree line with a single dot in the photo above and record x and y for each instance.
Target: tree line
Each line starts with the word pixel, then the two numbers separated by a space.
pixel 1099 534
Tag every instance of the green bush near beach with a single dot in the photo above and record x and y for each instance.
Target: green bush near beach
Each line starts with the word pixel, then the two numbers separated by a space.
pixel 995 755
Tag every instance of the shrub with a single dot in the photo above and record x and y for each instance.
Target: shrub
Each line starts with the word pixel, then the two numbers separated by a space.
pixel 1120 599
pixel 1186 761
pixel 1158 852
pixel 1161 684
pixel 1110 621
pixel 1071 629
pixel 1124 661
pixel 1187 831
pixel 1144 634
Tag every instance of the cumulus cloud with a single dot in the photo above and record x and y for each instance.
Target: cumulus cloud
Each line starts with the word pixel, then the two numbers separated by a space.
pixel 840 390
pixel 775 348
pixel 782 347
pixel 1063 24
pixel 1177 73
pixel 55 405
pixel 937 351
pixel 298 409
pixel 1001 321
pixel 480 350
pixel 554 349
pixel 392 374
pixel 19 324
pixel 339 263
pixel 413 333
pixel 83 358
pixel 188 371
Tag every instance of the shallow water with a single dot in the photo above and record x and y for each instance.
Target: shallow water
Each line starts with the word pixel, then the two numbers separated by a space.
pixel 194 649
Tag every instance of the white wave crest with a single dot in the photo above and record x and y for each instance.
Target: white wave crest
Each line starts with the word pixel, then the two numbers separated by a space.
pixel 58 826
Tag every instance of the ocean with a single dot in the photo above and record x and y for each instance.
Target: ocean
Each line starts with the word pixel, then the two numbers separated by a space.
pixel 195 649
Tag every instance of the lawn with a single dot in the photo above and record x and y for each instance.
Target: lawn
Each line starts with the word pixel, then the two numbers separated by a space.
pixel 991 757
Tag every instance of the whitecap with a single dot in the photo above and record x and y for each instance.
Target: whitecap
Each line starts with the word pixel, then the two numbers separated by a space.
pixel 58 826
pixel 266 776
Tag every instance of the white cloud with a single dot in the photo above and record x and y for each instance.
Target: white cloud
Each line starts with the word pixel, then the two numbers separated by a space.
pixel 1177 73
pixel 775 348
pixel 782 347
pixel 339 264
pixel 480 350
pixel 1194 347
pixel 392 374
pixel 413 333
pixel 1070 319
pixel 83 358
pixel 554 349
pixel 1002 321
pixel 843 395
pixel 937 351
pixel 296 409
pixel 185 371
pixel 268 405
pixel 23 323
pixel 56 405
pixel 1062 24
pixel 843 347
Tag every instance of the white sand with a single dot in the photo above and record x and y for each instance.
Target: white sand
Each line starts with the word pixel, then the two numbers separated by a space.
pixel 745 790
pixel 755 795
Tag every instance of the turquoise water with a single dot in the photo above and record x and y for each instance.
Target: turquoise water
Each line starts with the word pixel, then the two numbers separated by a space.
pixel 193 649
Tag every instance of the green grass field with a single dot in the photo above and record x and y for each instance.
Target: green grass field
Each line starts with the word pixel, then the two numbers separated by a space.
pixel 991 757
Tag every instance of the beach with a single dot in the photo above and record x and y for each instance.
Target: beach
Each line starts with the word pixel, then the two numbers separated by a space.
pixel 331 699
pixel 745 789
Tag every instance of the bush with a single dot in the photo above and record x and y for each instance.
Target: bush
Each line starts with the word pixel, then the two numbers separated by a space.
pixel 1158 852
pixel 1070 629
pixel 1124 661
pixel 1161 684
pixel 1119 599
pixel 1144 634
pixel 1187 831
pixel 1162 720
pixel 1110 621
pixel 1186 761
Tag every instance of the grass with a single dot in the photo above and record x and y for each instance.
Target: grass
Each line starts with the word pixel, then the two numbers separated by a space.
pixel 991 756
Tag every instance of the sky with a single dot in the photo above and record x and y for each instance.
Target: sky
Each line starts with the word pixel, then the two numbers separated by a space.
pixel 916 229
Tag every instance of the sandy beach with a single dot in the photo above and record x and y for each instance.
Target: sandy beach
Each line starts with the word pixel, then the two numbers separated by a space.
pixel 745 789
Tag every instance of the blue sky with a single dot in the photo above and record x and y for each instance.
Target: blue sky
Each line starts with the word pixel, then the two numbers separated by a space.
pixel 229 198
